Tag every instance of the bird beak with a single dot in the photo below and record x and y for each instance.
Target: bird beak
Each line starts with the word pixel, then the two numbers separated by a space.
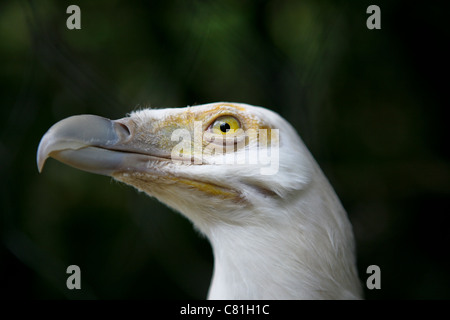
pixel 95 144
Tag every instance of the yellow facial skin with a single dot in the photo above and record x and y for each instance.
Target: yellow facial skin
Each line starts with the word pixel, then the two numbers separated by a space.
pixel 218 124
pixel 187 118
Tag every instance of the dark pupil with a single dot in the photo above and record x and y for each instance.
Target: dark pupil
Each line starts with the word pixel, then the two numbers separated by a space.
pixel 224 127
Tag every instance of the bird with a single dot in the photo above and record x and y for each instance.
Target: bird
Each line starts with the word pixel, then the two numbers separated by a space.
pixel 245 179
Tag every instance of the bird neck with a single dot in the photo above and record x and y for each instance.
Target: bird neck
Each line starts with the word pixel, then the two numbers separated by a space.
pixel 304 255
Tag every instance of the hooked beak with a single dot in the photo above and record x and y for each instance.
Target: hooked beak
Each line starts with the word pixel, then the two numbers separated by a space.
pixel 96 144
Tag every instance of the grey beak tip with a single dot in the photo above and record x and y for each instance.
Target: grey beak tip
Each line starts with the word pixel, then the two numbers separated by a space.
pixel 40 165
pixel 42 154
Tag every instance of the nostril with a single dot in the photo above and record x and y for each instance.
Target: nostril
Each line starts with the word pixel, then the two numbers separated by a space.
pixel 122 128
pixel 125 128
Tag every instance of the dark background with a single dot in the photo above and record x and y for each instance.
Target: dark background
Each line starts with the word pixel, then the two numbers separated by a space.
pixel 370 105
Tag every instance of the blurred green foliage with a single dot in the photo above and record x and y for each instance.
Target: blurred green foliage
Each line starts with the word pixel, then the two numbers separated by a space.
pixel 368 103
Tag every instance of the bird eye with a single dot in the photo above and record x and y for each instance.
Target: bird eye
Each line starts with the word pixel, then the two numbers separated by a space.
pixel 225 125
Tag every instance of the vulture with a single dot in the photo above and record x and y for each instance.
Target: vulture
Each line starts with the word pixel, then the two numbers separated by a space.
pixel 244 178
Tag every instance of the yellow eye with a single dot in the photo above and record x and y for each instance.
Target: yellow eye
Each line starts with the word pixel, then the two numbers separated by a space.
pixel 225 125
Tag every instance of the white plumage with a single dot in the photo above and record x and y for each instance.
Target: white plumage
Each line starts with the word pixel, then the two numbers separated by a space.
pixel 281 235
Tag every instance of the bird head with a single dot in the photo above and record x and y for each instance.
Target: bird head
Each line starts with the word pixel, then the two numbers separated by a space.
pixel 219 156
